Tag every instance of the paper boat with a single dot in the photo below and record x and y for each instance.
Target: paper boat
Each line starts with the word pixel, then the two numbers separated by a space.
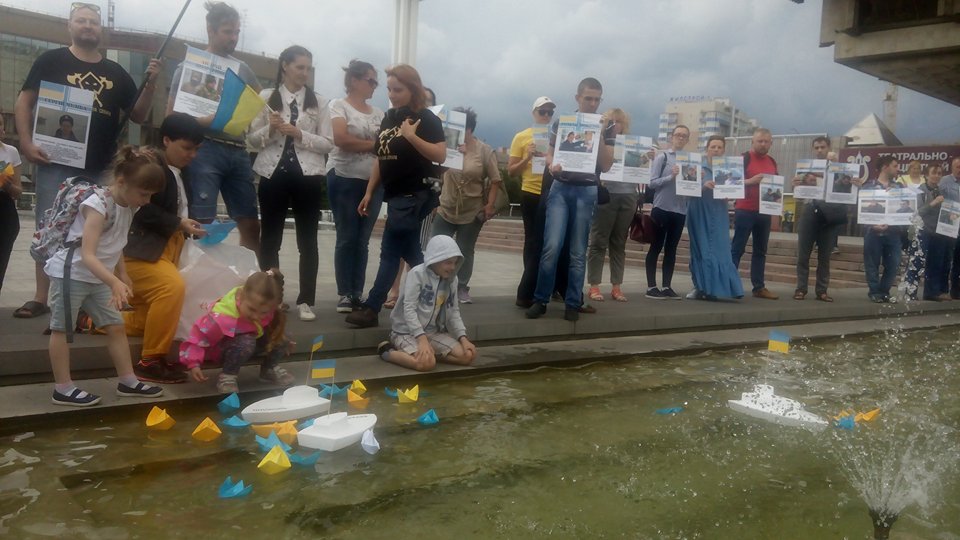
pixel 409 396
pixel 358 387
pixel 229 490
pixel 847 422
pixel 429 418
pixel 331 390
pixel 336 431
pixel 235 422
pixel 356 400
pixel 229 405
pixel 867 416
pixel 389 392
pixel 762 403
pixel 267 444
pixel 305 460
pixel 275 461
pixel 287 432
pixel 670 410
pixel 369 443
pixel 159 420
pixel 207 430
pixel 296 402
pixel 217 232
pixel 264 430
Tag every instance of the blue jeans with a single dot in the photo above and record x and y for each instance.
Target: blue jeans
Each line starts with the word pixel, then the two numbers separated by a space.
pixel 222 169
pixel 881 248
pixel 353 231
pixel 395 245
pixel 746 223
pixel 568 207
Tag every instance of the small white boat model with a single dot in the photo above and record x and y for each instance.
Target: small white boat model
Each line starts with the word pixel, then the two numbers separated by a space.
pixel 295 403
pixel 762 403
pixel 336 431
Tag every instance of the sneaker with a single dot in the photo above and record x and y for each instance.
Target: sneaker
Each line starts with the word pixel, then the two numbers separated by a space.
pixel 668 294
pixel 363 318
pixel 227 384
pixel 276 375
pixel 463 295
pixel 77 398
pixel 571 314
pixel 157 371
pixel 654 294
pixel 140 390
pixel 835 251
pixel 307 314
pixel 345 305
pixel 693 295
pixel 536 310
pixel 383 348
pixel 876 298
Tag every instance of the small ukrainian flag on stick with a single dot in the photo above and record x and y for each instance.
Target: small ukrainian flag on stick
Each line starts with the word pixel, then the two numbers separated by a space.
pixel 779 342
pixel 322 369
pixel 317 344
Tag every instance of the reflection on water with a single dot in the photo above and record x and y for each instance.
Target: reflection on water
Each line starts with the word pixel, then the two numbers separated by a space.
pixel 569 453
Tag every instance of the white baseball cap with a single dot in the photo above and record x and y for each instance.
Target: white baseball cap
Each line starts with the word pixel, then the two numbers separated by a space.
pixel 541 101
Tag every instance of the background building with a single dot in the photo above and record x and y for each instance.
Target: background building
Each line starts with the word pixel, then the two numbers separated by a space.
pixel 704 116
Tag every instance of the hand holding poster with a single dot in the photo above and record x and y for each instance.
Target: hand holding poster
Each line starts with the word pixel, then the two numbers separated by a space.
pixel 61 124
pixel 728 177
pixel 882 207
pixel 948 224
pixel 688 181
pixel 812 174
pixel 541 140
pixel 771 195
pixel 201 82
pixel 578 142
pixel 841 187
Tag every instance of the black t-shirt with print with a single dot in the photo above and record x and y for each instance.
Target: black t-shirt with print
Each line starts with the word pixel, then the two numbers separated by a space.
pixel 402 167
pixel 114 88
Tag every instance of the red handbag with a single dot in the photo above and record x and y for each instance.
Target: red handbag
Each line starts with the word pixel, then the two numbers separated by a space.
pixel 642 227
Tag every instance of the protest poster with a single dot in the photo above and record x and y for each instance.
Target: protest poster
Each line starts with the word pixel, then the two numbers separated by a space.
pixel 578 142
pixel 615 174
pixel 201 82
pixel 636 159
pixel 541 140
pixel 840 183
pixel 948 224
pixel 771 195
pixel 883 207
pixel 454 133
pixel 61 124
pixel 688 181
pixel 812 173
pixel 727 177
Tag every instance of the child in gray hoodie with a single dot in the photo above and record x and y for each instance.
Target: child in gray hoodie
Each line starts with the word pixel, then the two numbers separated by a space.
pixel 426 324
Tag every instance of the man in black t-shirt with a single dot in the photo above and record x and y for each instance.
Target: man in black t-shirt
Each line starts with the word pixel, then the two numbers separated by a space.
pixel 80 65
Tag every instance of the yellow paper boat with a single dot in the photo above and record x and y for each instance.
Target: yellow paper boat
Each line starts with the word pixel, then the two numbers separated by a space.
pixel 264 430
pixel 287 432
pixel 867 416
pixel 843 414
pixel 159 420
pixel 409 396
pixel 207 430
pixel 358 387
pixel 275 461
pixel 355 400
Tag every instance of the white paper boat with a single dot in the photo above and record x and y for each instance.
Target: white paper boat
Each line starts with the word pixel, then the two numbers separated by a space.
pixel 762 403
pixel 336 431
pixel 295 403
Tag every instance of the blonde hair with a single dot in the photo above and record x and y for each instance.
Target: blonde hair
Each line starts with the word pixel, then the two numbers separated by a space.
pixel 620 117
pixel 408 76
pixel 269 286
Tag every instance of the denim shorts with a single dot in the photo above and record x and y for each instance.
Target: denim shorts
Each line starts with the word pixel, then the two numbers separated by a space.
pixel 94 298
pixel 225 170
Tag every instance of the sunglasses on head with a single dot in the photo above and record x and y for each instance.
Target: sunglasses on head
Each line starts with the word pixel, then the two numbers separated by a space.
pixel 80 5
pixel 545 112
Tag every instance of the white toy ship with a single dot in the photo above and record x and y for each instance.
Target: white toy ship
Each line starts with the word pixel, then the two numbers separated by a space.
pixel 296 402
pixel 762 403
pixel 336 431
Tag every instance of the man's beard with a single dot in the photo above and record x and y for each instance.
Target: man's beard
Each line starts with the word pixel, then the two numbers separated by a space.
pixel 87 42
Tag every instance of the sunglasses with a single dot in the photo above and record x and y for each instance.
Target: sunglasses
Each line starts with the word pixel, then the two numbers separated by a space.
pixel 80 5
pixel 545 112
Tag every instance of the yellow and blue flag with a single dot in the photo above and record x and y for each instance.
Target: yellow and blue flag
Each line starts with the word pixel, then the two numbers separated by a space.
pixel 322 369
pixel 239 105
pixel 317 344
pixel 779 341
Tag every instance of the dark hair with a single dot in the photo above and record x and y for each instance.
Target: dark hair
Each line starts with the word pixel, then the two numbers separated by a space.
pixel 715 138
pixel 433 95
pixel 288 56
pixel 589 83
pixel 66 118
pixel 883 161
pixel 219 13
pixel 471 117
pixel 408 76
pixel 142 169
pixel 356 69
pixel 179 126
pixel 269 286
pixel 678 126
pixel 823 139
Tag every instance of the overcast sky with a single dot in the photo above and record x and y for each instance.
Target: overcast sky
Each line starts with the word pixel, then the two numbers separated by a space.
pixel 499 55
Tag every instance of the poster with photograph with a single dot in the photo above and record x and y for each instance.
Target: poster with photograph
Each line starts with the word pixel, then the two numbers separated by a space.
pixel 771 195
pixel 637 152
pixel 615 174
pixel 882 207
pixel 948 224
pixel 728 177
pixel 813 174
pixel 61 123
pixel 454 133
pixel 840 183
pixel 201 82
pixel 578 142
pixel 691 171
pixel 541 139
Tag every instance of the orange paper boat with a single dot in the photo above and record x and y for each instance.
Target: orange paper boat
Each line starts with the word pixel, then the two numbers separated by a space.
pixel 207 430
pixel 159 420
pixel 264 430
pixel 355 400
pixel 287 432
pixel 867 416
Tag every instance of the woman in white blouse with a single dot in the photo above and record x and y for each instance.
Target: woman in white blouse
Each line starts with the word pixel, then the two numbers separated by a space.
pixel 292 136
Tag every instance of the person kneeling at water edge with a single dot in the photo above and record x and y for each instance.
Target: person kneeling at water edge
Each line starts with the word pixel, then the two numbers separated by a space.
pixel 426 324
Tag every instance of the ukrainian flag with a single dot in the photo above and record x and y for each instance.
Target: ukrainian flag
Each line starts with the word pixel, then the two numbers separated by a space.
pixel 239 105
pixel 779 341
pixel 317 344
pixel 322 369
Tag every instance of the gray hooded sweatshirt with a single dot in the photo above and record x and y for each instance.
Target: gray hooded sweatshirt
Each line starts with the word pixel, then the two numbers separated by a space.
pixel 427 303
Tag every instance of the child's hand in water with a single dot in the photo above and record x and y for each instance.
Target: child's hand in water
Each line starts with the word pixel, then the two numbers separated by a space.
pixel 197 374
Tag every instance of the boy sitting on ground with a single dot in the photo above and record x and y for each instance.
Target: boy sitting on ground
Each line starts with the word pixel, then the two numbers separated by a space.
pixel 426 324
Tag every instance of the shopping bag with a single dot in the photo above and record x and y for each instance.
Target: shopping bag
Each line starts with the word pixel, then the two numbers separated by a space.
pixel 209 272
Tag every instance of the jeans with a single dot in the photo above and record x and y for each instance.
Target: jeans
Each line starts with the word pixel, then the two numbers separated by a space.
pixel 881 248
pixel 937 272
pixel 224 169
pixel 569 208
pixel 532 245
pixel 302 193
pixel 746 223
pixel 353 231
pixel 9 229
pixel 609 230
pixel 814 230
pixel 395 245
pixel 466 235
pixel 669 231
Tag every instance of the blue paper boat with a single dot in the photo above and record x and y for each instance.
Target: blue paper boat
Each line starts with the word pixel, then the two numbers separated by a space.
pixel 390 393
pixel 327 390
pixel 229 490
pixel 847 423
pixel 308 460
pixel 236 422
pixel 230 404
pixel 669 410
pixel 428 418
pixel 217 232
pixel 305 424
pixel 267 444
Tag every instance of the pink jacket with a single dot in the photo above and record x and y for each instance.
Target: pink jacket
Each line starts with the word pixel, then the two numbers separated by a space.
pixel 223 321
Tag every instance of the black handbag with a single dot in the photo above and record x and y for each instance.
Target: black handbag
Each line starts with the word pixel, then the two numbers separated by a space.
pixel 405 212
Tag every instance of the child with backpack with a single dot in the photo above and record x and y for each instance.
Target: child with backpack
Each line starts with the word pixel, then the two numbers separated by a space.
pixel 245 319
pixel 82 239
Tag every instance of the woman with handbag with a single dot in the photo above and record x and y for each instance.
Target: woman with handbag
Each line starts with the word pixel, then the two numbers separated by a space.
pixel 708 226
pixel 468 199
pixel 410 140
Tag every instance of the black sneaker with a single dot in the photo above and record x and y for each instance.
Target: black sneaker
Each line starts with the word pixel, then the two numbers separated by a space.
pixel 364 317
pixel 668 294
pixel 383 347
pixel 536 310
pixel 140 390
pixel 77 398
pixel 345 305
pixel 571 314
pixel 157 371
pixel 654 294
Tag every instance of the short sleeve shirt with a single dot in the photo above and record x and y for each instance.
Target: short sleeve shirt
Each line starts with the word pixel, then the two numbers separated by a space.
pixel 109 249
pixel 402 167
pixel 361 125
pixel 530 181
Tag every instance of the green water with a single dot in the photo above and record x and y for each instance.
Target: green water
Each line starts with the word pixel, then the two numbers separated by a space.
pixel 565 453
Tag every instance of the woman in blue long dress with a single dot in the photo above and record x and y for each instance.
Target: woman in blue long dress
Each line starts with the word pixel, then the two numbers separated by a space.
pixel 708 226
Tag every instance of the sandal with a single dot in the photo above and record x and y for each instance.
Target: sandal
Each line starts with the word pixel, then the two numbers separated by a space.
pixel 594 294
pixel 799 295
pixel 390 303
pixel 30 310
pixel 823 297
pixel 618 295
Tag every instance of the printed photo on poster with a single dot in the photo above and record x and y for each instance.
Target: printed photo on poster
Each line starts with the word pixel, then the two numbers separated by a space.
pixel 201 82
pixel 771 195
pixel 615 174
pixel 812 173
pixel 872 207
pixel 454 133
pixel 688 181
pixel 901 206
pixel 637 152
pixel 841 187
pixel 948 223
pixel 61 123
pixel 728 177
pixel 578 142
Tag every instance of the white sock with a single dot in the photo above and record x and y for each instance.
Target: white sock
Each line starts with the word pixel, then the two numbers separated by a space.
pixel 68 388
pixel 130 380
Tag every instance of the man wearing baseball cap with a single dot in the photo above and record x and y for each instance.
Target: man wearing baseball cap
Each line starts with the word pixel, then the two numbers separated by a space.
pixel 522 153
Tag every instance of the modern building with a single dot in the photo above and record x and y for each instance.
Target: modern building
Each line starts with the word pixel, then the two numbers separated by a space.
pixel 705 116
